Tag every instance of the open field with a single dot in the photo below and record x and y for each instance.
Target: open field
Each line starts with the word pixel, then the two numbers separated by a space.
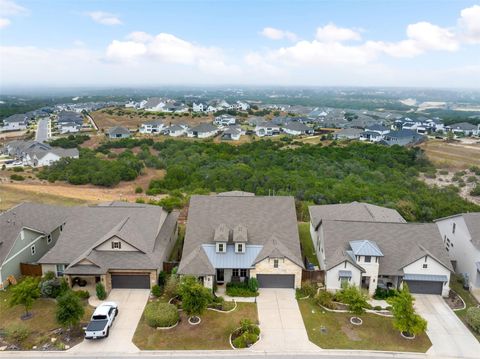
pixel 132 119
pixel 452 154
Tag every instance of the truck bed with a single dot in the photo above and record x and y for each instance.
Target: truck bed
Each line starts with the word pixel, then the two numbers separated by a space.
pixel 97 325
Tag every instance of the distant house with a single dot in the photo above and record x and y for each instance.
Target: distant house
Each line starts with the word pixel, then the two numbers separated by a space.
pixel 348 134
pixel 176 130
pixel 242 106
pixel 15 123
pixel 267 129
pixel 464 128
pixel 297 128
pixel 118 132
pixel 380 129
pixel 255 120
pixel 37 154
pixel 154 104
pixel 225 120
pixel 199 107
pixel 69 122
pixel 151 127
pixel 370 136
pixel 402 138
pixel 371 246
pixel 203 130
pixel 28 232
pixel 461 238
pixel 232 133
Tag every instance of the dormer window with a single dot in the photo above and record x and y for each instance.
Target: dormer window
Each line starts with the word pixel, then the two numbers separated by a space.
pixel 239 248
pixel 116 245
pixel 221 247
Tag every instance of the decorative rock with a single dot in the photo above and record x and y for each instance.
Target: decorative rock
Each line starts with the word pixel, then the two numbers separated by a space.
pixel 3 348
pixel 34 347
pixel 53 340
pixel 67 347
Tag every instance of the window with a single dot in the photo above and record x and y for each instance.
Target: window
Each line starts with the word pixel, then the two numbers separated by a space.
pixel 243 272
pixel 344 281
pixel 275 263
pixel 61 227
pixel 116 245
pixel 425 265
pixel 32 249
pixel 240 248
pixel 49 239
pixel 368 259
pixel 453 228
pixel 235 273
pixel 221 248
pixel 60 269
pixel 345 264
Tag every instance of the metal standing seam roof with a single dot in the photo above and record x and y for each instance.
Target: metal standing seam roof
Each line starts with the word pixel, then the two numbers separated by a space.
pixel 365 248
pixel 425 277
pixel 230 259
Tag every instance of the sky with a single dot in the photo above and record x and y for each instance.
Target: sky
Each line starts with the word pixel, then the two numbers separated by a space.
pixel 408 43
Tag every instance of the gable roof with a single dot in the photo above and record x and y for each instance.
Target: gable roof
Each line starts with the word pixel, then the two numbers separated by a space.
pixel 204 127
pixel 400 243
pixel 355 211
pixel 118 130
pixel 264 218
pixel 38 217
pixel 365 248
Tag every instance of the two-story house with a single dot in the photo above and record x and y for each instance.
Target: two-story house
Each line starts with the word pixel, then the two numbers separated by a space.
pixel 372 246
pixel 233 236
pixel 151 127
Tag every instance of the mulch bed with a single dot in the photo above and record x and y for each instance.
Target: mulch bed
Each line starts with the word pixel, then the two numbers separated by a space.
pixel 454 301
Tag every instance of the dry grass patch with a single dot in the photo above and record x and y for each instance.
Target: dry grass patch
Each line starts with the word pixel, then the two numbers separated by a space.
pixel 211 334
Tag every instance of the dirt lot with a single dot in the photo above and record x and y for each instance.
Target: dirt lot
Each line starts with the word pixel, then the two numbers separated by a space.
pixel 453 155
pixel 34 190
pixel 132 119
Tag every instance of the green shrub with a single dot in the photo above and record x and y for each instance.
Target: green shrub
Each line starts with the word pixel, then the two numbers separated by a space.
pixel 195 297
pixel 157 290
pixel 69 310
pixel 382 293
pixel 48 276
pixel 100 289
pixel 161 315
pixel 138 189
pixel 17 169
pixel 16 177
pixel 309 289
pixel 475 169
pixel 53 288
pixel 248 334
pixel 17 332
pixel 240 289
pixel 473 318
pixel 472 179
pixel 324 299
pixel 171 286
pixel 356 300
pixel 82 294
pixel 253 284
pixel 377 307
pixel 162 278
pixel 443 172
pixel 475 191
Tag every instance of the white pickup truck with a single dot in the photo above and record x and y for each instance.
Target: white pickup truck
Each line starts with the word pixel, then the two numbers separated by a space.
pixel 101 321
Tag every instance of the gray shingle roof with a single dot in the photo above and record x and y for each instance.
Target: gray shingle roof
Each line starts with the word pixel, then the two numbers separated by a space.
pixel 39 217
pixel 118 130
pixel 204 127
pixel 355 211
pixel 400 243
pixel 270 221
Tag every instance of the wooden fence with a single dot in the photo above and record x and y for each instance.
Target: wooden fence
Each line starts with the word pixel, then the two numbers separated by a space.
pixel 33 270
pixel 317 276
pixel 168 266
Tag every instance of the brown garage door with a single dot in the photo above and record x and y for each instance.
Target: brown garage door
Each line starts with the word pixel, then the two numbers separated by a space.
pixel 131 281
pixel 276 280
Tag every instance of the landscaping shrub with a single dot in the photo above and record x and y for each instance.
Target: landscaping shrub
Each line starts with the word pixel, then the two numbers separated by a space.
pixel 404 317
pixel 253 284
pixel 17 169
pixel 161 315
pixel 162 278
pixel 69 309
pixel 101 293
pixel 17 332
pixel 473 318
pixel 240 289
pixel 443 172
pixel 82 294
pixel 16 177
pixel 195 297
pixel 471 179
pixel 247 334
pixel 325 299
pixel 157 290
pixel 377 307
pixel 25 293
pixel 138 189
pixel 171 286
pixel 356 300
pixel 309 289
pixel 48 275
pixel 52 288
pixel 475 191
pixel 382 293
pixel 475 169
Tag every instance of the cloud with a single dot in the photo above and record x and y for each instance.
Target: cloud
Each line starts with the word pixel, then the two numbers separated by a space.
pixel 9 8
pixel 277 34
pixel 104 18
pixel 469 23
pixel 119 51
pixel 332 33
pixel 4 22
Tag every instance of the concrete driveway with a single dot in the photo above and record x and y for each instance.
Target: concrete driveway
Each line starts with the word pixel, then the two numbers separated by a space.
pixel 447 333
pixel 281 323
pixel 131 303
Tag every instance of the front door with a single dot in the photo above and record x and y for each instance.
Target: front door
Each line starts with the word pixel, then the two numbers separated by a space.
pixel 220 276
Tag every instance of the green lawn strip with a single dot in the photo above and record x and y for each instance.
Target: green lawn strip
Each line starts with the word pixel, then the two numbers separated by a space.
pixel 307 244
pixel 40 326
pixel 470 301
pixel 211 334
pixel 376 332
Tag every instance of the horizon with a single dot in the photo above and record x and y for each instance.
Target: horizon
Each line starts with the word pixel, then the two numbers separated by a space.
pixel 343 44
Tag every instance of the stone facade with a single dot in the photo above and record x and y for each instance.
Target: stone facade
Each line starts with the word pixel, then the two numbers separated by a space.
pixel 285 266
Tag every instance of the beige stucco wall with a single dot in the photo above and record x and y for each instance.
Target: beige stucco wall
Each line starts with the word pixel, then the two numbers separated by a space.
pixel 285 266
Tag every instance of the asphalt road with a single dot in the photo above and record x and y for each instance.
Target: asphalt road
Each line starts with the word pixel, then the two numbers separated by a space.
pixel 42 130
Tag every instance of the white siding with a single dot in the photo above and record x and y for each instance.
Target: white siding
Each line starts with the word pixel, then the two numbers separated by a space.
pixel 333 282
pixel 433 268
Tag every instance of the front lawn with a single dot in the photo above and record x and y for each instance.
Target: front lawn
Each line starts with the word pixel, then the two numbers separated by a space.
pixel 40 328
pixel 457 286
pixel 333 331
pixel 306 242
pixel 211 334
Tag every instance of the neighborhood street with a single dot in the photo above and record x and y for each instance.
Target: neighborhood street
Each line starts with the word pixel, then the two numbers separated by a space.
pixel 42 133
